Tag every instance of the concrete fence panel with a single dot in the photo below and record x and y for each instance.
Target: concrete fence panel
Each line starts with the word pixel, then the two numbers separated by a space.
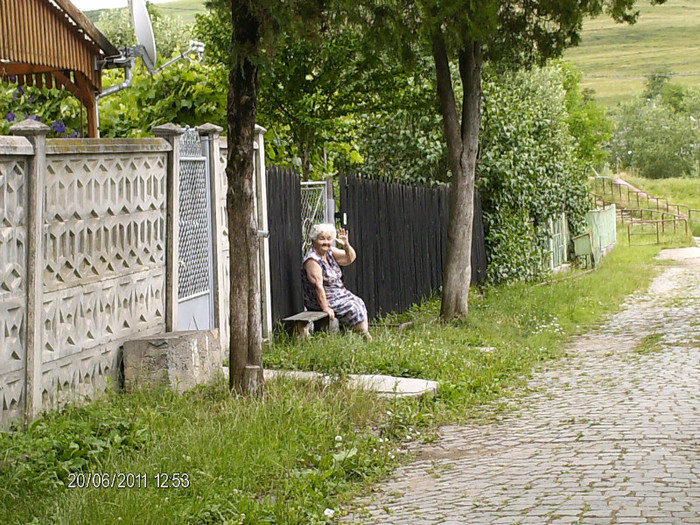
pixel 14 152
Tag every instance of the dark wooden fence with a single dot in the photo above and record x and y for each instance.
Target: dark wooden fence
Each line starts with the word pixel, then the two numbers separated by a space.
pixel 284 220
pixel 400 234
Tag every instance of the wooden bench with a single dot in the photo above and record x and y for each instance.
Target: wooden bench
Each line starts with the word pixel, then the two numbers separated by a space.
pixel 303 323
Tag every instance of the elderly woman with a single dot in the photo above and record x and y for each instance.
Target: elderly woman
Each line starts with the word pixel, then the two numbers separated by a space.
pixel 322 283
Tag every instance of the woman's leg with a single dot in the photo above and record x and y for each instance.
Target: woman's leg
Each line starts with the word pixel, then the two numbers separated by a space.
pixel 363 328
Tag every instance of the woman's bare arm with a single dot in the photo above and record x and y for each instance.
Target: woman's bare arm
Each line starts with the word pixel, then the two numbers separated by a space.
pixel 347 255
pixel 315 275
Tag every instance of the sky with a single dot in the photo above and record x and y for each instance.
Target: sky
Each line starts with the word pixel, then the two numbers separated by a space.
pixel 91 5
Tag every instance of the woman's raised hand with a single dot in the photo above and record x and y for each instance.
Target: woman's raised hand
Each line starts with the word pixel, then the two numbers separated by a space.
pixel 343 236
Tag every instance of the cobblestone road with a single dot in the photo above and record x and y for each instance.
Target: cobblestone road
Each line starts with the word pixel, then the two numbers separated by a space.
pixel 611 435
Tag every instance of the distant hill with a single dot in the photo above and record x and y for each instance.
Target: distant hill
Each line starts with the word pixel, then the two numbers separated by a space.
pixel 615 58
pixel 185 9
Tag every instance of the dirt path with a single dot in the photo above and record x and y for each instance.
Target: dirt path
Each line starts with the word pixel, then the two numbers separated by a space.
pixel 610 435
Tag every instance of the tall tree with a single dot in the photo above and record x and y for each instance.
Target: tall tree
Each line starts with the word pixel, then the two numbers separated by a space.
pixel 245 350
pixel 257 25
pixel 311 88
pixel 467 33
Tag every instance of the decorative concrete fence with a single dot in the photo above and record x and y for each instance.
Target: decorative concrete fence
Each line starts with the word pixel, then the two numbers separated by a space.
pixel 89 232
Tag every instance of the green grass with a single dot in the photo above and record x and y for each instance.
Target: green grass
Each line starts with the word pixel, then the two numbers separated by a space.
pixel 523 324
pixel 615 58
pixel 303 447
pixel 650 343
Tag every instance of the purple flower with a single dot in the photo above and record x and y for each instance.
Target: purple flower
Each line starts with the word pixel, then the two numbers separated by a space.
pixel 20 90
pixel 12 78
pixel 58 126
pixel 34 117
pixel 10 117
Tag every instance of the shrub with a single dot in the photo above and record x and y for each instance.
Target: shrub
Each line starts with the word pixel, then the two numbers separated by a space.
pixel 186 93
pixel 656 139
pixel 54 107
pixel 529 171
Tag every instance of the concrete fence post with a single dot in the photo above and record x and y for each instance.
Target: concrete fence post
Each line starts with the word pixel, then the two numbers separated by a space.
pixel 209 136
pixel 330 202
pixel 35 132
pixel 264 232
pixel 172 133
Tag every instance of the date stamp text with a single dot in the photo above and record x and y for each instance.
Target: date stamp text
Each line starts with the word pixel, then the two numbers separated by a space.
pixel 128 480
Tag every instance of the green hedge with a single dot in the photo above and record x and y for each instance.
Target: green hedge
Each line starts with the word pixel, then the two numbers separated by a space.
pixel 529 171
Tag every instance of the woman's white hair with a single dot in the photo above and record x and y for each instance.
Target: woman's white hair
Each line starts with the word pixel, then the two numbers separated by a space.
pixel 318 229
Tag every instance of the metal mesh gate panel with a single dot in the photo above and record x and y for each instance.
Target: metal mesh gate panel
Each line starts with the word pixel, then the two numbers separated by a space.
pixel 195 233
pixel 313 209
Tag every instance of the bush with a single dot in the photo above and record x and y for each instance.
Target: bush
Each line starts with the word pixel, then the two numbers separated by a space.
pixel 656 139
pixel 186 93
pixel 54 107
pixel 529 170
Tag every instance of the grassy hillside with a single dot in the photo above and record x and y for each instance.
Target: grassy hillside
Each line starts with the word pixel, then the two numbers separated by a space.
pixel 185 9
pixel 615 57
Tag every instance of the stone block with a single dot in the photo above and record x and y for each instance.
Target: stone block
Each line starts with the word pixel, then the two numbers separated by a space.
pixel 181 360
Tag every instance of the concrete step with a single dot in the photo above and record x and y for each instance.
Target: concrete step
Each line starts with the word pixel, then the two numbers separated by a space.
pixel 385 385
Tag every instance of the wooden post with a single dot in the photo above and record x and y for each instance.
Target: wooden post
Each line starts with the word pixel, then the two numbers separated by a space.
pixel 172 134
pixel 36 133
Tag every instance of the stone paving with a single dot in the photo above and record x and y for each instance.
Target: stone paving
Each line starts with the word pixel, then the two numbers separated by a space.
pixel 609 435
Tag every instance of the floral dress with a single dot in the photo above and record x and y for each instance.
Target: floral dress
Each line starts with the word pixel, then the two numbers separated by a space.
pixel 349 309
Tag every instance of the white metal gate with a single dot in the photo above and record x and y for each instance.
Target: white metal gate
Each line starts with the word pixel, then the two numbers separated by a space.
pixel 317 206
pixel 195 265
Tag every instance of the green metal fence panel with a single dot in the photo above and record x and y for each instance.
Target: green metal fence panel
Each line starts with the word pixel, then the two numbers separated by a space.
pixel 603 227
pixel 558 241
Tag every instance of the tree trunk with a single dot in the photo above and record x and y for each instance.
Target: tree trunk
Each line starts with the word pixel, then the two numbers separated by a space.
pixel 245 347
pixel 462 149
pixel 306 155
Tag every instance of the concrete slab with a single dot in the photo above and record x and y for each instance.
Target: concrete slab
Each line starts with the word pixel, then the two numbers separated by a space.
pixel 383 384
pixel 394 386
pixel 680 254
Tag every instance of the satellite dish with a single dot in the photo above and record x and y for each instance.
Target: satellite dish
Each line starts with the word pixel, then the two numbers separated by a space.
pixel 144 32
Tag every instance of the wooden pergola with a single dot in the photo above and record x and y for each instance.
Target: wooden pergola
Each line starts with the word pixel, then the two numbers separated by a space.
pixel 52 43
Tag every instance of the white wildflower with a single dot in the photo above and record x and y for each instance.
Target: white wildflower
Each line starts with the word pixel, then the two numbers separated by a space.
pixel 329 513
